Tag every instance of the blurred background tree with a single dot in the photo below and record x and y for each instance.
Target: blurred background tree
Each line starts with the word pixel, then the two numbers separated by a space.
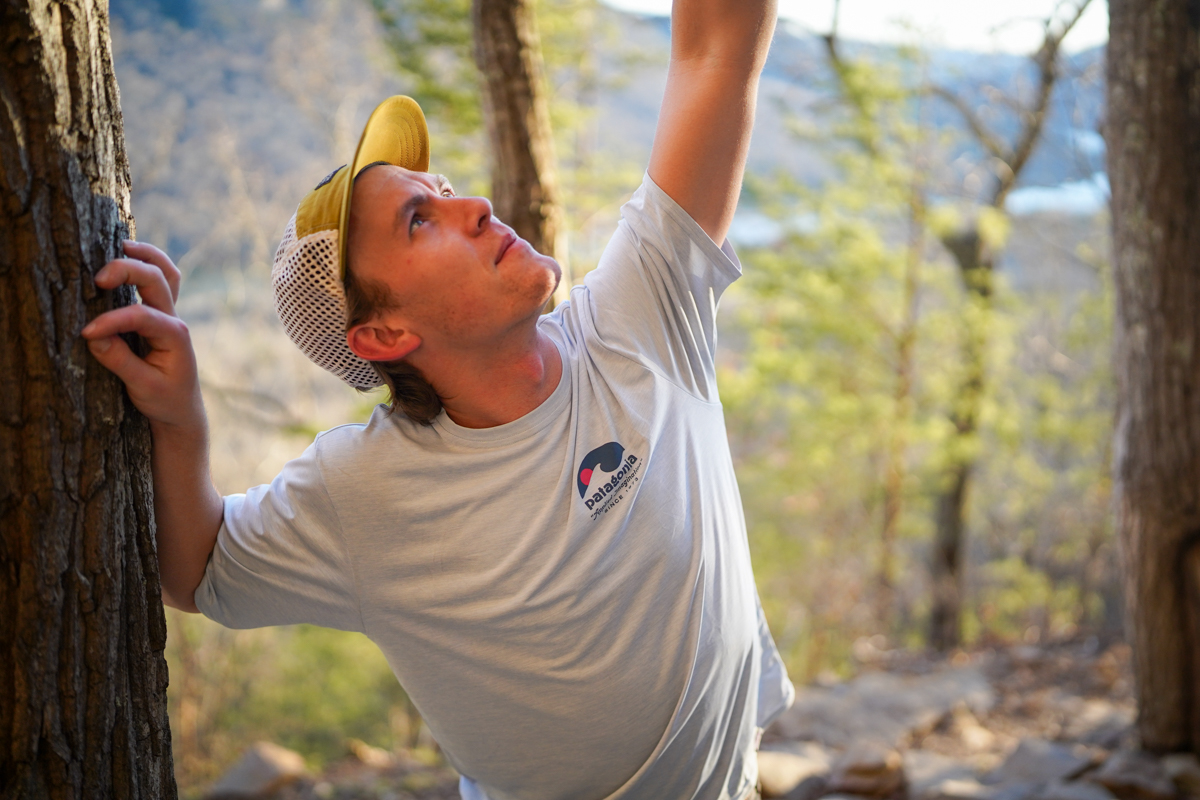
pixel 873 381
pixel 975 243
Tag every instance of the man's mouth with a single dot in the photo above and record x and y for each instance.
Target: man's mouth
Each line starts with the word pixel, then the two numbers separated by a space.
pixel 509 241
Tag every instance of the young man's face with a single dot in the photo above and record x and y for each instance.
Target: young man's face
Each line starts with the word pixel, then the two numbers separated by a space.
pixel 457 275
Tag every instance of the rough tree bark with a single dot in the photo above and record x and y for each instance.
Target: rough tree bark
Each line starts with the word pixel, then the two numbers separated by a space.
pixel 82 675
pixel 524 181
pixel 1153 134
pixel 976 262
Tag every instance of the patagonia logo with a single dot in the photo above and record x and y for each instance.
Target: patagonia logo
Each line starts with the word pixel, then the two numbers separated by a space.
pixel 604 475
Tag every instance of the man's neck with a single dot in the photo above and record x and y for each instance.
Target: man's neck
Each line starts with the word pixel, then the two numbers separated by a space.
pixel 496 385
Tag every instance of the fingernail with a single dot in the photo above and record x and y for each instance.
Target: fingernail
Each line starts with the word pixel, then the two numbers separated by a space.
pixel 101 345
pixel 91 326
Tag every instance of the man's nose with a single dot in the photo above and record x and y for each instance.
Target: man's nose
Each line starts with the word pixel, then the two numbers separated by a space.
pixel 477 213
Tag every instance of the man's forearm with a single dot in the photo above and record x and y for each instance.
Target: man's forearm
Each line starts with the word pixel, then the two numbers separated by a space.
pixel 718 49
pixel 187 509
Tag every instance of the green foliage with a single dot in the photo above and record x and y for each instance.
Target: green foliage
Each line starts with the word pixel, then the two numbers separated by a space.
pixel 1044 491
pixel 307 688
pixel 841 385
pixel 431 44
pixel 839 392
pixel 328 686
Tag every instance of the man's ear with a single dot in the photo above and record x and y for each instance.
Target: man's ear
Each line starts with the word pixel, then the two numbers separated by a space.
pixel 374 342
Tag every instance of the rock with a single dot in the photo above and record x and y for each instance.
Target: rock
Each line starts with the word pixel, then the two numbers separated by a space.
pixel 969 731
pixel 370 756
pixel 1184 770
pixel 971 789
pixel 1134 775
pixel 868 769
pixel 1098 722
pixel 960 789
pixel 1040 761
pixel 1017 790
pixel 795 775
pixel 1074 790
pixel 265 768
pixel 780 773
pixel 809 789
pixel 882 707
pixel 927 771
pixel 1026 654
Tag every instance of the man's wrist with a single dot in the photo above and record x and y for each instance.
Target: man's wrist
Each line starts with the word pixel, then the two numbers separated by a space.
pixel 189 432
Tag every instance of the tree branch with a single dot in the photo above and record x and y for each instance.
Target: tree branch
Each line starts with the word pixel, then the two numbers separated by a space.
pixel 989 140
pixel 1033 117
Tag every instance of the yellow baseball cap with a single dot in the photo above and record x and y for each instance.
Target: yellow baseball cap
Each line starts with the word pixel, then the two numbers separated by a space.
pixel 395 133
pixel 310 264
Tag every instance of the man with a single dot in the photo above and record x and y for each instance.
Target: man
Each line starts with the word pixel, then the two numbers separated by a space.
pixel 544 534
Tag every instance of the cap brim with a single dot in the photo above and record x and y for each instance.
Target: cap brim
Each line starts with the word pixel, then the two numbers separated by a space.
pixel 396 133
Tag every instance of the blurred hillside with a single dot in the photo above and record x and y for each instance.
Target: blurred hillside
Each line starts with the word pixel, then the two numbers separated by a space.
pixel 234 109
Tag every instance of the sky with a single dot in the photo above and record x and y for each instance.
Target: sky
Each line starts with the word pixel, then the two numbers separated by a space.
pixel 1013 26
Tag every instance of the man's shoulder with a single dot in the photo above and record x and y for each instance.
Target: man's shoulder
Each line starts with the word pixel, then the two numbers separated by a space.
pixel 385 431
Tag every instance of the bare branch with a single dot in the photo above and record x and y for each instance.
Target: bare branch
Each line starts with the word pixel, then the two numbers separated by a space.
pixel 1034 118
pixel 979 128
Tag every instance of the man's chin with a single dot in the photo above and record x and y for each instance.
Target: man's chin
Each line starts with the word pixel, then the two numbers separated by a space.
pixel 553 280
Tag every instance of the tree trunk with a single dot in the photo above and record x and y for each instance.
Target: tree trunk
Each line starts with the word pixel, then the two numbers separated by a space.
pixel 949 545
pixel 1153 138
pixel 976 267
pixel 82 675
pixel 524 182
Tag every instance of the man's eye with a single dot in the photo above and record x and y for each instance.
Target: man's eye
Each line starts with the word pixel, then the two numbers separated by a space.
pixel 448 191
pixel 416 223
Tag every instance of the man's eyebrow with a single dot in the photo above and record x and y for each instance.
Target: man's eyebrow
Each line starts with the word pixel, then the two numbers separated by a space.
pixel 406 209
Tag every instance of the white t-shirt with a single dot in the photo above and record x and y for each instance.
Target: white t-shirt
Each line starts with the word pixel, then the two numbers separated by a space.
pixel 567 598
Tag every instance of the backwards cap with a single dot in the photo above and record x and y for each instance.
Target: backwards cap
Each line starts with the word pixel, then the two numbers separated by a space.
pixel 310 264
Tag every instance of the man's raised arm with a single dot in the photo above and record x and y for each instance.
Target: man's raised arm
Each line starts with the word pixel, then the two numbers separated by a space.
pixel 718 48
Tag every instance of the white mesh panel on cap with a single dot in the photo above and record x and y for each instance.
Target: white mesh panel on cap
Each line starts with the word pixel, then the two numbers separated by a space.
pixel 311 303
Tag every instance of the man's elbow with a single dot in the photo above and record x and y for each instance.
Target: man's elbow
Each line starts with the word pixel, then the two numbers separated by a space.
pixel 184 601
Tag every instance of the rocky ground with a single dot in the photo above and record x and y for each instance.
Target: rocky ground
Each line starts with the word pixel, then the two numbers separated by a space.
pixel 1023 723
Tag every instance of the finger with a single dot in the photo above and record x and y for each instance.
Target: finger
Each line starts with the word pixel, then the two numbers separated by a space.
pixel 115 355
pixel 149 280
pixel 152 255
pixel 161 331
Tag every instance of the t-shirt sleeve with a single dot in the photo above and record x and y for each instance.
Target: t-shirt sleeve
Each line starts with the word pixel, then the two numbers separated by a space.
pixel 280 558
pixel 653 297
